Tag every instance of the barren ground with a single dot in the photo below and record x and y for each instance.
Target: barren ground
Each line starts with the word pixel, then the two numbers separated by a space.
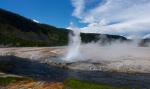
pixel 47 66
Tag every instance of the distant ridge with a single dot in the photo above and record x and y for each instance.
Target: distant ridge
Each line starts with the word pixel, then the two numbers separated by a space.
pixel 18 31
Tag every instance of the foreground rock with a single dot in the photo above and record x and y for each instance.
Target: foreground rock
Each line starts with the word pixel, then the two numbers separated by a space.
pixel 35 85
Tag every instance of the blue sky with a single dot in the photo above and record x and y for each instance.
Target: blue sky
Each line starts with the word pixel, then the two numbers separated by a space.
pixel 53 12
pixel 128 18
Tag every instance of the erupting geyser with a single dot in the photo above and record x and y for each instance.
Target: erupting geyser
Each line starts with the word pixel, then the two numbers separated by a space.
pixel 73 51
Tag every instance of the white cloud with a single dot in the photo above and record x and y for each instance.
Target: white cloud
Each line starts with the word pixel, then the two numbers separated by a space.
pixel 79 7
pixel 147 36
pixel 35 21
pixel 121 17
pixel 72 26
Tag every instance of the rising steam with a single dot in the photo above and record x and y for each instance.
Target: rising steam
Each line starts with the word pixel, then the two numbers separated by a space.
pixel 97 51
pixel 74 44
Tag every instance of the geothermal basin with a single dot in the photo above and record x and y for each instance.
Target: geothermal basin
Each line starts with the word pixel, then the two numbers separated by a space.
pixel 129 60
pixel 119 66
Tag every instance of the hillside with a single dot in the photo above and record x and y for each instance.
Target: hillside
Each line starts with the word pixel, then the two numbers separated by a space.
pixel 16 30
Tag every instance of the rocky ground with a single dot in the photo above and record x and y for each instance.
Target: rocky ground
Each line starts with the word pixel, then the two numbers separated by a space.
pixel 34 53
pixel 35 85
pixel 53 56
pixel 45 67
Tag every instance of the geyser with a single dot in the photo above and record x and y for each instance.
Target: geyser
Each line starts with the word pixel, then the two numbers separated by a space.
pixel 73 51
pixel 98 52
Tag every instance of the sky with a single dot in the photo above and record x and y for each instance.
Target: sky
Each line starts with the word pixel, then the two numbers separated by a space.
pixel 129 18
pixel 53 12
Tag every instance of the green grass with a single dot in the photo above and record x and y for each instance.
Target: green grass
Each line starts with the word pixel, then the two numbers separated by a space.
pixel 7 80
pixel 78 84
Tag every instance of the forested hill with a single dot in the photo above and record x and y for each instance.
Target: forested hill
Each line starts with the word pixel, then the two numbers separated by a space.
pixel 16 30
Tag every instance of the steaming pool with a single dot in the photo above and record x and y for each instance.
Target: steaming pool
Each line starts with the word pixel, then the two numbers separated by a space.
pixel 127 68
